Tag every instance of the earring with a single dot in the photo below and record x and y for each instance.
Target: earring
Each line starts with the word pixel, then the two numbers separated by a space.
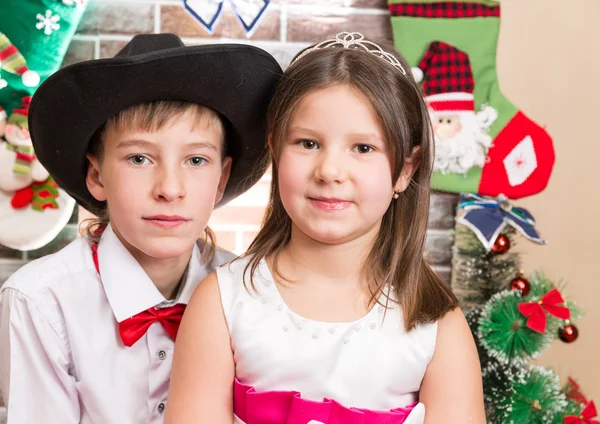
pixel 396 195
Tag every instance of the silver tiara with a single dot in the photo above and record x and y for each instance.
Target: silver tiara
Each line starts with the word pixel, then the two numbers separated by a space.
pixel 355 40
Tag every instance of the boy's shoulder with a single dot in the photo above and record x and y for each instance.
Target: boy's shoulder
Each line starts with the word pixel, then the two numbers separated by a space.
pixel 221 257
pixel 43 273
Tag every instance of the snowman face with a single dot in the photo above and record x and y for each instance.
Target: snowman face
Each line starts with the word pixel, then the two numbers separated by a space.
pixel 446 126
pixel 17 136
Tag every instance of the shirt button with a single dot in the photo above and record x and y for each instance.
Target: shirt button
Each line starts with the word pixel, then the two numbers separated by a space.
pixel 162 354
pixel 161 407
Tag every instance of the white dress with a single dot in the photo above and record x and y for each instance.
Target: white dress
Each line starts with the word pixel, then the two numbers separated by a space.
pixel 371 363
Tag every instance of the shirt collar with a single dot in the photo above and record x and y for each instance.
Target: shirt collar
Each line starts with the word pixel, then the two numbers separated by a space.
pixel 128 288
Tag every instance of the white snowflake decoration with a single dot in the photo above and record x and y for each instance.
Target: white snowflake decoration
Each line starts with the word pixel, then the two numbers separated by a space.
pixel 78 3
pixel 48 22
pixel 3 83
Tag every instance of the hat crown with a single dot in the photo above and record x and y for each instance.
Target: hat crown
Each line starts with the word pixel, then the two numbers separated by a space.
pixel 446 69
pixel 148 43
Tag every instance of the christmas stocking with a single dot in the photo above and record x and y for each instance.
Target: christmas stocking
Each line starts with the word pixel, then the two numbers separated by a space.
pixel 34 37
pixel 484 144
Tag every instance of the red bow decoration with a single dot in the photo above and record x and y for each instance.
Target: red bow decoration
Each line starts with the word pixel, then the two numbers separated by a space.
pixel 132 329
pixel 586 416
pixel 573 392
pixel 534 311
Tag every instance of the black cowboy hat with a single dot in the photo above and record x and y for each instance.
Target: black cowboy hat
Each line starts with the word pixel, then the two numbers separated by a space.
pixel 72 104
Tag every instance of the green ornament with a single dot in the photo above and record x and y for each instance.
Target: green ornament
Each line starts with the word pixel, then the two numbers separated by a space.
pixel 503 331
pixel 536 398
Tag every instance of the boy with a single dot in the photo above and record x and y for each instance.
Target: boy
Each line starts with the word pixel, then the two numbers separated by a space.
pixel 149 141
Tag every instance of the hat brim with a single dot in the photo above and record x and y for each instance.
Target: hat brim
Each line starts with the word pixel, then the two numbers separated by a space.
pixel 235 80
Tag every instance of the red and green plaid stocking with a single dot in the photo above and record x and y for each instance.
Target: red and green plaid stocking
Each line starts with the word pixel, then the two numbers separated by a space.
pixel 454 45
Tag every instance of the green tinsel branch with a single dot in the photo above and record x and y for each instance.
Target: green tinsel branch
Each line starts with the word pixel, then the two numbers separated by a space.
pixel 534 397
pixel 477 274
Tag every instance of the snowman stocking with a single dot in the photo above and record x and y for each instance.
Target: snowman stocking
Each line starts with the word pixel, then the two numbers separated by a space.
pixel 484 143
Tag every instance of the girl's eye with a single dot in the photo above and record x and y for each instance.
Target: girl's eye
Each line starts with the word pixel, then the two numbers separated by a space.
pixel 364 148
pixel 138 160
pixel 196 161
pixel 309 144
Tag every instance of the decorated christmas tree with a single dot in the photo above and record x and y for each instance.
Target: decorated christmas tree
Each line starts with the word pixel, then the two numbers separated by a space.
pixel 514 316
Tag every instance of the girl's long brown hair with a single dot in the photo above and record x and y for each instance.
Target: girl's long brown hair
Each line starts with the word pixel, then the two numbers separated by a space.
pixel 396 256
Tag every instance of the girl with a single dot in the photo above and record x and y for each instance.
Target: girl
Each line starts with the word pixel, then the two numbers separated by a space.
pixel 333 316
pixel 151 140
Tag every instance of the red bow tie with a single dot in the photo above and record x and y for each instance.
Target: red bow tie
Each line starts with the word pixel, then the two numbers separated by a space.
pixel 132 329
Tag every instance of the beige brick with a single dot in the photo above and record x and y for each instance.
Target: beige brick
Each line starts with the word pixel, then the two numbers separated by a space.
pixel 66 236
pixel 282 52
pixel 109 48
pixel 237 215
pixel 117 17
pixel 226 240
pixel 79 51
pixel 312 28
pixel 445 273
pixel 247 238
pixel 257 195
pixel 375 4
pixel 6 253
pixel 83 214
pixel 438 247
pixel 177 20
pixel 442 210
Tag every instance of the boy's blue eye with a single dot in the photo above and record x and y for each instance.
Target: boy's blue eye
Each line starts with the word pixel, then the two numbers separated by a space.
pixel 138 159
pixel 196 161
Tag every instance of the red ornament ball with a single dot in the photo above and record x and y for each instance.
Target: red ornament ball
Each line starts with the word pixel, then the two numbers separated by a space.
pixel 568 333
pixel 501 245
pixel 520 283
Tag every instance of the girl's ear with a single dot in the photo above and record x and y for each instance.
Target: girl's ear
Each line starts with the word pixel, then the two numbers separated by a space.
pixel 411 165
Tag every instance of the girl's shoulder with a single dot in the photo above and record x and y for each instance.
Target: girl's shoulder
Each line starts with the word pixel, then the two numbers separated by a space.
pixel 236 270
pixel 238 280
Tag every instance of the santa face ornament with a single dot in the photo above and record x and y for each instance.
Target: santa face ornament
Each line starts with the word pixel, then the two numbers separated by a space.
pixel 446 127
pixel 461 135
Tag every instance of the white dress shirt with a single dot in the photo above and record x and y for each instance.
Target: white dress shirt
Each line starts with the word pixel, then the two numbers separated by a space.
pixel 62 360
